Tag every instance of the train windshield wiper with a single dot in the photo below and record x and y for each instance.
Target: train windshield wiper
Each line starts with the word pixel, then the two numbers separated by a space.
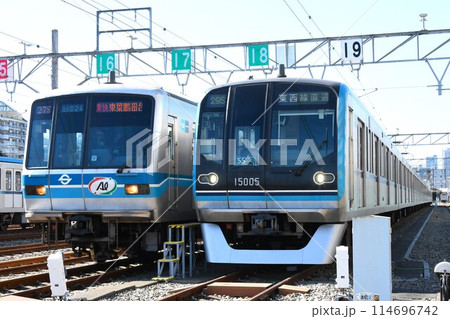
pixel 121 168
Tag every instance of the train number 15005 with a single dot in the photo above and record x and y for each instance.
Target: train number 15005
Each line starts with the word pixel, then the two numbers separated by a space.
pixel 246 181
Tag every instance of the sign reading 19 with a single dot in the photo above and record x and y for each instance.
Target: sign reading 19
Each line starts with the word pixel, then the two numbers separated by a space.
pixel 352 50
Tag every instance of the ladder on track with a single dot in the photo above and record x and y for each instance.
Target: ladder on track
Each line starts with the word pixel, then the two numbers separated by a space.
pixel 174 251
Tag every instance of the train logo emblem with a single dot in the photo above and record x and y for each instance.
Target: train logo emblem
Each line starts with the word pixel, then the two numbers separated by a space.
pixel 65 179
pixel 102 186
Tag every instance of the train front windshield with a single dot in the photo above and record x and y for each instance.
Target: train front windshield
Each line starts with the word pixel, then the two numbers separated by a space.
pixel 271 136
pixel 90 131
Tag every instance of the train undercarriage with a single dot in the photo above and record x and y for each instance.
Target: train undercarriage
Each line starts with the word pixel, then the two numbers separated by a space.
pixel 107 240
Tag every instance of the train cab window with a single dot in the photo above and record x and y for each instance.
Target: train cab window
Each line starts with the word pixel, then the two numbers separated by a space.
pixel 69 129
pixel 248 108
pixel 303 126
pixel 115 122
pixel 40 134
pixel 212 126
pixel 18 182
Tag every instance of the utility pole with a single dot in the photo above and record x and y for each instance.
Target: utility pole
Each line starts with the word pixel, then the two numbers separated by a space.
pixel 54 59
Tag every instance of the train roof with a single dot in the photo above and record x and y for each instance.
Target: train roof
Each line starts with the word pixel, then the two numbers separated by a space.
pixel 110 88
pixel 334 84
pixel 10 160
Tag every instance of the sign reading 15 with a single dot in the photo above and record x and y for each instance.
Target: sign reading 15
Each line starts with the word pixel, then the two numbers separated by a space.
pixel 352 50
pixel 3 69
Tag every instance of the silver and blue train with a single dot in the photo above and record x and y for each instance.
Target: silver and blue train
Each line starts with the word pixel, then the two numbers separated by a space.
pixel 283 165
pixel 11 202
pixel 110 165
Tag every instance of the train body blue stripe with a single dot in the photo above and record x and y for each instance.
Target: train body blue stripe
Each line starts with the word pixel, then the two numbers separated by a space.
pixel 159 182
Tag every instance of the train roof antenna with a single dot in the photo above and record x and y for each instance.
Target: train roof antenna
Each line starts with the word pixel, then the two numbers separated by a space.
pixel 111 77
pixel 282 73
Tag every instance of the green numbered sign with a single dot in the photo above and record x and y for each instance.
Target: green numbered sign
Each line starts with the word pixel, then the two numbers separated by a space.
pixel 105 63
pixel 258 55
pixel 181 60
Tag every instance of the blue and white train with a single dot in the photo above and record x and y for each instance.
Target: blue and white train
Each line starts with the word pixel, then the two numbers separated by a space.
pixel 283 165
pixel 11 202
pixel 104 164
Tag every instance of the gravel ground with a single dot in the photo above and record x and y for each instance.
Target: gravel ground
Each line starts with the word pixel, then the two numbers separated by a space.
pixel 431 247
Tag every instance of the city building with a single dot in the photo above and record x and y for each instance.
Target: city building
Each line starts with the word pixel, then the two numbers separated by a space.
pixel 13 130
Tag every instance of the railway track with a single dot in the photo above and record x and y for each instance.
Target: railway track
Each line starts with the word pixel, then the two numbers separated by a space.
pixel 20 234
pixel 38 285
pixel 29 248
pixel 226 285
pixel 23 265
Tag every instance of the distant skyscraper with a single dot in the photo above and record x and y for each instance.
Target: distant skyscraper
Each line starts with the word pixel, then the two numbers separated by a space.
pixel 447 159
pixel 432 162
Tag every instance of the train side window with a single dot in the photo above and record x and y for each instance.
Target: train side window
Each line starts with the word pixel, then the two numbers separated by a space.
pixel 360 148
pixel 18 182
pixel 377 156
pixel 8 180
pixel 171 142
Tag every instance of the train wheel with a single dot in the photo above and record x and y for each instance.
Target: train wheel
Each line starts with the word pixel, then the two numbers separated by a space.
pixel 100 252
pixel 445 288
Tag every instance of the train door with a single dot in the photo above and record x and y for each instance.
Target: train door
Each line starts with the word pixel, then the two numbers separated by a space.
pixel 376 153
pixel 388 175
pixel 173 169
pixel 361 163
pixel 66 179
pixel 18 200
pixel 395 178
pixel 8 186
pixel 351 160
pixel 246 146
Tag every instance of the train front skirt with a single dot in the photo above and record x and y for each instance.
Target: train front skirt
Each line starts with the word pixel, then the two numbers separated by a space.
pixel 320 249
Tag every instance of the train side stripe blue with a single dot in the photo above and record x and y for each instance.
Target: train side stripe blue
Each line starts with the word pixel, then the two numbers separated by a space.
pixel 159 183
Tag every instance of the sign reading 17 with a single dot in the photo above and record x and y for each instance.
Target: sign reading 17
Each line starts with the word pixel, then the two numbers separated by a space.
pixel 181 60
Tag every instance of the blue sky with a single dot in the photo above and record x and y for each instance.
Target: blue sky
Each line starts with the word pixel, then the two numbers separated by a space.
pixel 404 99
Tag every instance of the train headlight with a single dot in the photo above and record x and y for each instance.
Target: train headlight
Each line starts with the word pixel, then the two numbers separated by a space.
pixel 209 179
pixel 34 190
pixel 321 178
pixel 137 189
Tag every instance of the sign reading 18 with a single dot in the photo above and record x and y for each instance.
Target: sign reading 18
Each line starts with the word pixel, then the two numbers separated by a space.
pixel 258 55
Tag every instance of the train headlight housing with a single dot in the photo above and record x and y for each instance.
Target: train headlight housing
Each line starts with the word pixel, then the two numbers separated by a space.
pixel 321 178
pixel 137 189
pixel 209 179
pixel 35 190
